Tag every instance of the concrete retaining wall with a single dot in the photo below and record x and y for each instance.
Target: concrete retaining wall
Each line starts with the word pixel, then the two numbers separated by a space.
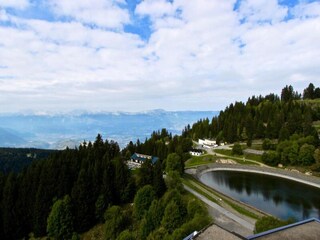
pixel 294 176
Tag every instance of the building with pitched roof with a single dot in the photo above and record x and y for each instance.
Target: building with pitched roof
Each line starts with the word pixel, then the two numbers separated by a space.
pixel 137 159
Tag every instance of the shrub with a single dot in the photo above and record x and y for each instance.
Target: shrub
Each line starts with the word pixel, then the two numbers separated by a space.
pixel 237 149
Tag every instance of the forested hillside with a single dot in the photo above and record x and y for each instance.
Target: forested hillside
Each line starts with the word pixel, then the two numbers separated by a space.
pixel 73 190
pixel 93 176
pixel 287 121
pixel 270 116
pixel 15 159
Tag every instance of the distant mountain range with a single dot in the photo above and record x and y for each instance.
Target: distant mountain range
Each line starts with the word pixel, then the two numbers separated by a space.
pixel 60 131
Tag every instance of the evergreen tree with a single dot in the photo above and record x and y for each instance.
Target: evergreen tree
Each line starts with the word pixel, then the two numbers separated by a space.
pixel 316 155
pixel 2 183
pixel 249 127
pixel 60 220
pixel 121 181
pixel 260 130
pixel 115 223
pixel 145 174
pixel 284 134
pixel 309 92
pixel 107 193
pixel 83 202
pixel 43 200
pixel 293 154
pixel 151 220
pixel 158 181
pixel 173 181
pixel 9 217
pixel 317 92
pixel 143 200
pixel 174 163
pixel 288 94
pixel 172 217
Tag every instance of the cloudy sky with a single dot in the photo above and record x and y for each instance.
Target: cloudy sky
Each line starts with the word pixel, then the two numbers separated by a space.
pixel 117 55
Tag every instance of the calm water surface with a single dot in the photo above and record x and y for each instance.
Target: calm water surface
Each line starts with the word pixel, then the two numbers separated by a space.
pixel 280 197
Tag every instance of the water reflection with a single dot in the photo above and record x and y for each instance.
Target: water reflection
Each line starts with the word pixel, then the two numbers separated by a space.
pixel 280 197
pixel 277 199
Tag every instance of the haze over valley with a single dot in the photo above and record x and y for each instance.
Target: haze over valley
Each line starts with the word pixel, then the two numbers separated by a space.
pixel 59 131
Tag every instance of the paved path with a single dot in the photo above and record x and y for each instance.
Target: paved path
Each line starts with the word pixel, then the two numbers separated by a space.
pixel 254 151
pixel 225 212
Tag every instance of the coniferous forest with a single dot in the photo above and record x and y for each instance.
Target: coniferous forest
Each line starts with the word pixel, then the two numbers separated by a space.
pixel 287 125
pixel 73 190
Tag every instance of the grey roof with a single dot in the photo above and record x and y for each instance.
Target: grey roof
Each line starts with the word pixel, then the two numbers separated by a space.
pixel 143 157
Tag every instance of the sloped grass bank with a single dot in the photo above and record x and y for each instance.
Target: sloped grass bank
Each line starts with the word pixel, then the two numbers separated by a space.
pixel 213 195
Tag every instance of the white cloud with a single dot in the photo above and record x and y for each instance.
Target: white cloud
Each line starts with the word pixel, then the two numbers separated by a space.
pixel 306 10
pixel 19 4
pixel 103 13
pixel 262 10
pixel 195 53
pixel 202 54
pixel 198 56
pixel 66 62
pixel 155 8
pixel 3 15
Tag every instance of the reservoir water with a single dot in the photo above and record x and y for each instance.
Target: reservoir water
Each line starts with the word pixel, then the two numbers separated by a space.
pixel 280 197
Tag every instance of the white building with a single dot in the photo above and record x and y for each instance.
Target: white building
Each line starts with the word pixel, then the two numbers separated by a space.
pixel 208 143
pixel 195 152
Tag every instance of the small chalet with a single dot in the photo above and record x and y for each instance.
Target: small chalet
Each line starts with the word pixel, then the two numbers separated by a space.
pixel 196 152
pixel 139 158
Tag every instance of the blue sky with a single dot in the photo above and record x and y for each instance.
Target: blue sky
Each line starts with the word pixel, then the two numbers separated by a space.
pixel 117 55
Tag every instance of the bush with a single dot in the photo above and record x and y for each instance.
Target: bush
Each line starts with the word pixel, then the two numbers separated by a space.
pixel 115 223
pixel 196 207
pixel 306 154
pixel 271 158
pixel 266 223
pixel 266 145
pixel 173 216
pixel 316 155
pixel 196 224
pixel 237 149
pixel 158 234
pixel 126 235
